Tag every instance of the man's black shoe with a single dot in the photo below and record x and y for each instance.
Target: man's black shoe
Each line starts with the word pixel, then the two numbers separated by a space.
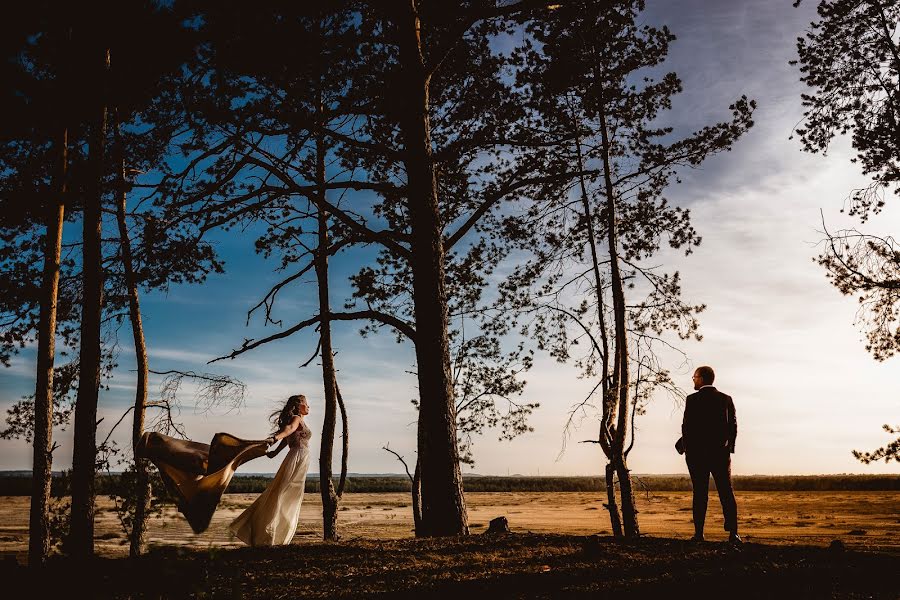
pixel 734 538
pixel 698 537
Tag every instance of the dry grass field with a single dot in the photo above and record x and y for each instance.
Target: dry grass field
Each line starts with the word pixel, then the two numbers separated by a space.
pixel 861 520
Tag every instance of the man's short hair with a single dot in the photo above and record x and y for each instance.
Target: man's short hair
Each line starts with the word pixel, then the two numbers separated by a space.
pixel 706 374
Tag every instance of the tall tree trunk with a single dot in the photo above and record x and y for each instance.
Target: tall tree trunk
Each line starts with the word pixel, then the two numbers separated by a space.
pixel 609 403
pixel 621 373
pixel 81 536
pixel 443 503
pixel 141 466
pixel 38 526
pixel 330 498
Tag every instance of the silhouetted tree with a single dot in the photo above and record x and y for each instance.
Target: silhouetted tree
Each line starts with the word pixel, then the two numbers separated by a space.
pixel 598 117
pixel 34 159
pixel 441 131
pixel 38 541
pixel 850 58
pixel 286 110
pixel 141 490
pixel 145 70
pixel 45 56
pixel 84 455
pixel 385 136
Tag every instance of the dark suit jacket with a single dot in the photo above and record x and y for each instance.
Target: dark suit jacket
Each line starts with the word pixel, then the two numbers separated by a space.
pixel 710 424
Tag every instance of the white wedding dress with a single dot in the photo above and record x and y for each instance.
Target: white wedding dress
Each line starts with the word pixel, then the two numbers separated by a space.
pixel 272 518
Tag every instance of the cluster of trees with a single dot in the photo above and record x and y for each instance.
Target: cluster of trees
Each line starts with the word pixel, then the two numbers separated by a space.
pixel 78 81
pixel 450 137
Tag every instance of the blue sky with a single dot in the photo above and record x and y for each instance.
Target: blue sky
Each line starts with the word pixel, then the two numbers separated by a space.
pixel 779 336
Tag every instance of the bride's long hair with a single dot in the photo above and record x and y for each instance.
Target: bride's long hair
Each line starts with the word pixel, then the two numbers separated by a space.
pixel 282 417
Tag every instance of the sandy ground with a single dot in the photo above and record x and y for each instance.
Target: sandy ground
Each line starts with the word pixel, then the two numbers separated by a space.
pixel 862 520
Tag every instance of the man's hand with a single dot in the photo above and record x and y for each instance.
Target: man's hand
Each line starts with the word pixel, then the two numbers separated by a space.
pixel 270 440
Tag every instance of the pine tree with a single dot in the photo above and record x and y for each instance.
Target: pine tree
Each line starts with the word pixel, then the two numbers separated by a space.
pixel 597 117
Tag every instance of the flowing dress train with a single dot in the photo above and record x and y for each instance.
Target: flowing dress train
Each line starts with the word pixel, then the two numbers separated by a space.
pixel 197 474
pixel 272 518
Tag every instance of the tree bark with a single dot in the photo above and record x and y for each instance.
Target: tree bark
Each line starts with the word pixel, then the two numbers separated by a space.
pixel 629 511
pixel 417 497
pixel 614 520
pixel 330 498
pixel 621 372
pixel 141 466
pixel 443 504
pixel 345 440
pixel 81 535
pixel 41 474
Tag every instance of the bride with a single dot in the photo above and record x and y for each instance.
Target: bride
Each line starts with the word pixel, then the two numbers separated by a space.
pixel 272 519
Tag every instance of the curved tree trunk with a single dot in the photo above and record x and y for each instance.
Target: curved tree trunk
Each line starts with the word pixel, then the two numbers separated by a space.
pixel 141 466
pixel 81 535
pixel 38 526
pixel 345 440
pixel 443 504
pixel 417 497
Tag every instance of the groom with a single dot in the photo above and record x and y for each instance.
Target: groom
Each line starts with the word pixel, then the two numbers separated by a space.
pixel 708 434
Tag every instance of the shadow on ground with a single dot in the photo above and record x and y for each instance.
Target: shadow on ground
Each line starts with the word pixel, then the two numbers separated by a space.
pixel 505 566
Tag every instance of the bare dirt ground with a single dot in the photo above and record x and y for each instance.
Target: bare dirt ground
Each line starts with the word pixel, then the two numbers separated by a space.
pixel 517 565
pixel 868 521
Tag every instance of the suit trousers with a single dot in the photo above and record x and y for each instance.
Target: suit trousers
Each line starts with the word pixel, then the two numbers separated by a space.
pixel 701 465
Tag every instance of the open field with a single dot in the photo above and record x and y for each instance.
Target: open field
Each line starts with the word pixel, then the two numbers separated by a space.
pixel 861 520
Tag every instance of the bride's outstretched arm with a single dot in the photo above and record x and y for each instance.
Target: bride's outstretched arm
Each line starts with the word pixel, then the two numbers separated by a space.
pixel 285 431
pixel 274 453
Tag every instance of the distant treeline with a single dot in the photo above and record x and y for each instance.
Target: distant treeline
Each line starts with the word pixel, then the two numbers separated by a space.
pixel 19 485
